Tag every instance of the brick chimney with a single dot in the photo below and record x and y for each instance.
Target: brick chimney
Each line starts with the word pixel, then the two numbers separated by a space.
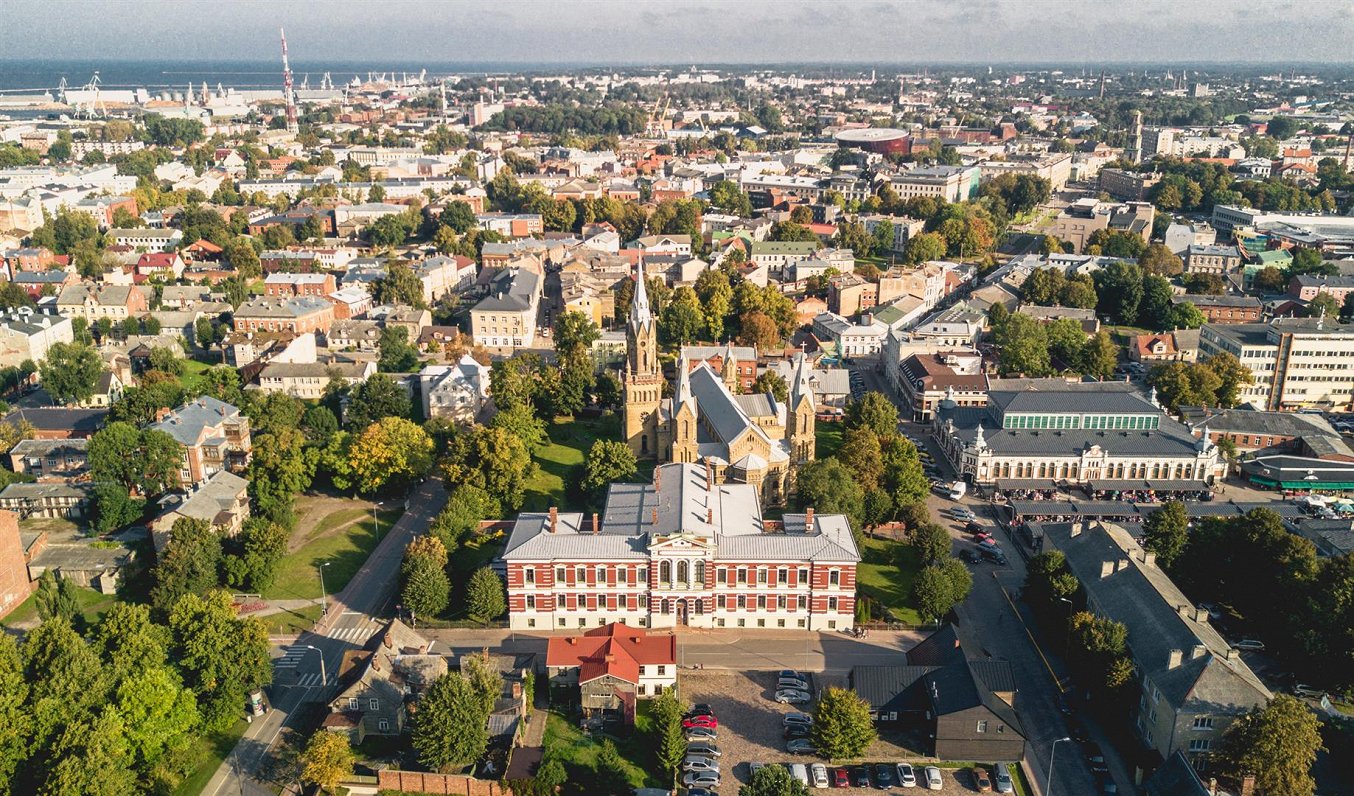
pixel 554 518
pixel 657 477
pixel 1174 659
pixel 808 519
pixel 1248 785
pixel 709 516
pixel 653 516
pixel 709 475
pixel 596 524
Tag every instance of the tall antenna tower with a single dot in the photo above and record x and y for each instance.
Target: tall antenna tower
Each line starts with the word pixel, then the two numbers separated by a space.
pixel 287 93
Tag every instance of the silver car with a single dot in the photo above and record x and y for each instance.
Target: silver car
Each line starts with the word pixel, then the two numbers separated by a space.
pixel 702 749
pixel 792 696
pixel 933 780
pixel 701 779
pixel 1002 780
pixel 907 776
pixel 699 763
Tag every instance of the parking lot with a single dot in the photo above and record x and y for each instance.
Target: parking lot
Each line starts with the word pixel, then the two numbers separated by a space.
pixel 750 730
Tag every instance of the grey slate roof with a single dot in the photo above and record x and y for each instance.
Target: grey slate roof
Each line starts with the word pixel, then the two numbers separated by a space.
pixel 1175 777
pixel 1145 600
pixel 511 290
pixel 1250 421
pixel 187 423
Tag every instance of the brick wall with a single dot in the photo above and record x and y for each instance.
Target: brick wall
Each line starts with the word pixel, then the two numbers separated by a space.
pixel 14 584
pixel 449 784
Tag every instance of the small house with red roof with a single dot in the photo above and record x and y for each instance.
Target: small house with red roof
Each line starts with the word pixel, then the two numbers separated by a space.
pixel 612 666
pixel 166 265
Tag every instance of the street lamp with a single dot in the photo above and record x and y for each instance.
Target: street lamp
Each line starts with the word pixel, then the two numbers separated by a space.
pixel 1049 790
pixel 324 597
pixel 324 676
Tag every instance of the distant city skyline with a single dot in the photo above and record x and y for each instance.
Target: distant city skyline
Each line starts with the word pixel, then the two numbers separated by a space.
pixel 601 32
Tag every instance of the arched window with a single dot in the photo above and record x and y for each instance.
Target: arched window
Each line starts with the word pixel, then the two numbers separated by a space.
pixel 683 573
pixel 665 572
pixel 700 573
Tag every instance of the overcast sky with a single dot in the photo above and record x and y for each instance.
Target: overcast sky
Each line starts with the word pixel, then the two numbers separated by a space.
pixel 680 31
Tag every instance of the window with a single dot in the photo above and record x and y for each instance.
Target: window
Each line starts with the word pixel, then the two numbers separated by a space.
pixel 742 575
pixel 803 575
pixel 834 578
pixel 761 601
pixel 561 621
pixel 742 601
pixel 559 574
pixel 642 688
pixel 683 572
pixel 662 670
pixel 665 572
pixel 761 576
pixel 530 575
pixel 352 703
pixel 644 574
pixel 700 573
pixel 374 704
pixel 580 574
pixel 383 725
pixel 783 576
pixel 832 603
pixel 531 602
pixel 1203 722
pixel 982 726
pixel 1199 745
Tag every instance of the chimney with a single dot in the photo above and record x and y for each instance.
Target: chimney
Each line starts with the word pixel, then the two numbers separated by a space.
pixel 516 690
pixel 709 516
pixel 1197 652
pixel 1229 654
pixel 1149 558
pixel 808 520
pixel 1248 785
pixel 1123 564
pixel 1184 611
pixel 554 518
pixel 709 475
pixel 1106 569
pixel 386 641
pixel 657 477
pixel 1174 659
pixel 572 640
pixel 423 649
pixel 596 524
pixel 1200 615
pixel 653 516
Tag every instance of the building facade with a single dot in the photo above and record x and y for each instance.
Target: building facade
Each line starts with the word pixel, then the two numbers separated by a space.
pixel 1070 433
pixel 1297 363
pixel 684 550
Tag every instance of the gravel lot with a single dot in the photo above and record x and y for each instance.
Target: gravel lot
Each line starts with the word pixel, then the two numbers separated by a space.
pixel 750 729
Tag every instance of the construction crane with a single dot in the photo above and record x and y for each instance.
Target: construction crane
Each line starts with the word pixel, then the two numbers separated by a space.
pixel 656 127
pixel 287 93
pixel 90 104
pixel 61 91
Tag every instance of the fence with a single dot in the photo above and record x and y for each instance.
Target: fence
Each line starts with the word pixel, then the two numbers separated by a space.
pixel 439 784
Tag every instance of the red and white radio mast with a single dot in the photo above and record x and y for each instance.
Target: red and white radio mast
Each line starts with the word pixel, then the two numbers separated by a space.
pixel 287 90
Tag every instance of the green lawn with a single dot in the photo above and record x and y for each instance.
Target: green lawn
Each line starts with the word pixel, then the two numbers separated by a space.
pixel 93 605
pixel 192 373
pixel 579 751
pixel 827 439
pixel 206 753
pixel 878 576
pixel 570 439
pixel 291 621
pixel 345 551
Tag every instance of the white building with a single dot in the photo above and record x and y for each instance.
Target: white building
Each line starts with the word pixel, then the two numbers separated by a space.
pixel 456 392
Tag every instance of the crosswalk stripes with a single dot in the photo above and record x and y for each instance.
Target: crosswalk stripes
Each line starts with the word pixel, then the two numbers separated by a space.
pixel 308 680
pixel 354 634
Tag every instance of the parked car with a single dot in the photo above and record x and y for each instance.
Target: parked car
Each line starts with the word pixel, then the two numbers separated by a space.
pixel 1214 610
pixel 790 682
pixel 697 763
pixel 1311 692
pixel 700 721
pixel 798 731
pixel 933 780
pixel 791 674
pixel 701 779
pixel 860 776
pixel 981 780
pixel 792 696
pixel 796 718
pixel 1095 758
pixel 699 709
pixel 970 556
pixel 907 776
pixel 799 772
pixel 883 776
pixel 841 778
pixel 1003 779
pixel 703 748
pixel 800 746
pixel 700 734
pixel 753 768
pixel 700 792
pixel 963 513
pixel 973 526
pixel 1250 645
pixel 818 772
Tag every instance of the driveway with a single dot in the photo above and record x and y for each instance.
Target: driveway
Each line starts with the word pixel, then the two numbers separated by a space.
pixel 750 730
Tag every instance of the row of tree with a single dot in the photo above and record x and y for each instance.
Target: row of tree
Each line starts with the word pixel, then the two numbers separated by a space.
pixel 1034 348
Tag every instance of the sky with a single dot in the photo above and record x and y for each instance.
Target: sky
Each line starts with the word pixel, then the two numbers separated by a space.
pixel 686 31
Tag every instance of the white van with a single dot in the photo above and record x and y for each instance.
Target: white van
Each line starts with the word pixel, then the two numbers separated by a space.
pixel 800 772
pixel 957 490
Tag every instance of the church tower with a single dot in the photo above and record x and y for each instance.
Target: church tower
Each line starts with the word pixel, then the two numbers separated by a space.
pixel 729 371
pixel 643 379
pixel 800 416
pixel 684 418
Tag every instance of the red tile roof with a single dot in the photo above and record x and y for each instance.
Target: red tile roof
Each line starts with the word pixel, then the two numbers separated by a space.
pixel 615 649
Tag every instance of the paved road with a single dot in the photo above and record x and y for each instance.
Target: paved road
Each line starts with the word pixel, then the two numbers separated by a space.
pixel 347 625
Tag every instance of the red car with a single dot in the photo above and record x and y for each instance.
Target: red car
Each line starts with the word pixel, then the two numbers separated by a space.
pixel 841 778
pixel 709 722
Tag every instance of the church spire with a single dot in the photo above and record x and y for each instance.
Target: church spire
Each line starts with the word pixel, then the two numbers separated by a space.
pixel 639 304
pixel 683 391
